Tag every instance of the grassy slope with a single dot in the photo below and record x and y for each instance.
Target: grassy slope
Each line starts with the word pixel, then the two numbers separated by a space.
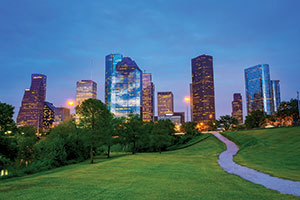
pixel 191 173
pixel 273 151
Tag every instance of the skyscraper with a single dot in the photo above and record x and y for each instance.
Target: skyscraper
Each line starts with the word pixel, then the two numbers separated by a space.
pixel 148 97
pixel 203 92
pixel 258 89
pixel 31 110
pixel 123 86
pixel 191 100
pixel 61 115
pixel 165 103
pixel 48 116
pixel 110 77
pixel 276 94
pixel 237 107
pixel 85 89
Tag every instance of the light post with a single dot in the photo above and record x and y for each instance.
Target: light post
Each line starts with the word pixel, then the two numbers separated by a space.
pixel 71 103
pixel 187 101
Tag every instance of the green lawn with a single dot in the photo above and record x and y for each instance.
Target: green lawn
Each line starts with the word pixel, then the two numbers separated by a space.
pixel 274 151
pixel 190 173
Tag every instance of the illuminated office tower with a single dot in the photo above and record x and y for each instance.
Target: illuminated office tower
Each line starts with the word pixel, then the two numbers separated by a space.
pixel 203 92
pixel 258 89
pixel 31 110
pixel 276 94
pixel 123 86
pixel 237 107
pixel 165 103
pixel 148 97
pixel 48 116
pixel 110 77
pixel 61 115
pixel 85 89
pixel 191 101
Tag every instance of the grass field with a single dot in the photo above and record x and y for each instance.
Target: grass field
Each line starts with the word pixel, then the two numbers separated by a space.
pixel 190 173
pixel 274 151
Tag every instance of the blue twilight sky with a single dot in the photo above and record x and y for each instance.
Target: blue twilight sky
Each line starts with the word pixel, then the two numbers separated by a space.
pixel 68 41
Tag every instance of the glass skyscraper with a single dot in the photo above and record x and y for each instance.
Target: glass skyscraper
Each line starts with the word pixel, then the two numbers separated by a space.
pixel 237 107
pixel 276 94
pixel 148 97
pixel 203 91
pixel 258 89
pixel 165 103
pixel 85 89
pixel 31 110
pixel 123 86
pixel 61 115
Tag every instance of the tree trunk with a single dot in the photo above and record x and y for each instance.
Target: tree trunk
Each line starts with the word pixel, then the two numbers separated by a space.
pixel 108 151
pixel 133 150
pixel 91 155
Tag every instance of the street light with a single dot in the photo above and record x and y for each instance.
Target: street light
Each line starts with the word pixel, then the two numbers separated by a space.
pixel 71 103
pixel 187 101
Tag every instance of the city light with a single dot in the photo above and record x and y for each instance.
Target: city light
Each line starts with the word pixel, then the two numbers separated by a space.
pixel 187 99
pixel 70 103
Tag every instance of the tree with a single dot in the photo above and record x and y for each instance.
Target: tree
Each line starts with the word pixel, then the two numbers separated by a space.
pixel 161 134
pixel 255 119
pixel 289 109
pixel 227 122
pixel 91 112
pixel 132 133
pixel 189 128
pixel 26 140
pixel 6 118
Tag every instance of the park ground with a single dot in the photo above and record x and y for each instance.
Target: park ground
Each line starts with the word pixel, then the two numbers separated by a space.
pixel 188 173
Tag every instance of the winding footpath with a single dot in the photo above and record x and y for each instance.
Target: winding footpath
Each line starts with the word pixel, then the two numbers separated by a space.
pixel 271 182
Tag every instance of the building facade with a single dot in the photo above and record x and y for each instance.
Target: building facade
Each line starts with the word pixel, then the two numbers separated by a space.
pixel 276 94
pixel 191 101
pixel 181 115
pixel 123 86
pixel 31 110
pixel 48 116
pixel 165 103
pixel 258 89
pixel 61 115
pixel 237 107
pixel 148 97
pixel 85 89
pixel 203 92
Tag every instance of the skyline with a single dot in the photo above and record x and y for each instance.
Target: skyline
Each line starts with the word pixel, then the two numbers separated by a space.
pixel 68 47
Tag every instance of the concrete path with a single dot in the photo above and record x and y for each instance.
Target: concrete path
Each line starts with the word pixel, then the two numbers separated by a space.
pixel 271 182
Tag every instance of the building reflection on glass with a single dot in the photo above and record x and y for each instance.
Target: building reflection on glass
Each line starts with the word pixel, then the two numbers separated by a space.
pixel 258 89
pixel 123 86
pixel 276 94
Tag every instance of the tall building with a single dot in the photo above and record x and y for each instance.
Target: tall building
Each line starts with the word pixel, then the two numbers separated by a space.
pixel 61 115
pixel 258 89
pixel 123 86
pixel 110 77
pixel 165 103
pixel 31 110
pixel 85 89
pixel 191 100
pixel 276 94
pixel 148 97
pixel 48 116
pixel 237 107
pixel 203 92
